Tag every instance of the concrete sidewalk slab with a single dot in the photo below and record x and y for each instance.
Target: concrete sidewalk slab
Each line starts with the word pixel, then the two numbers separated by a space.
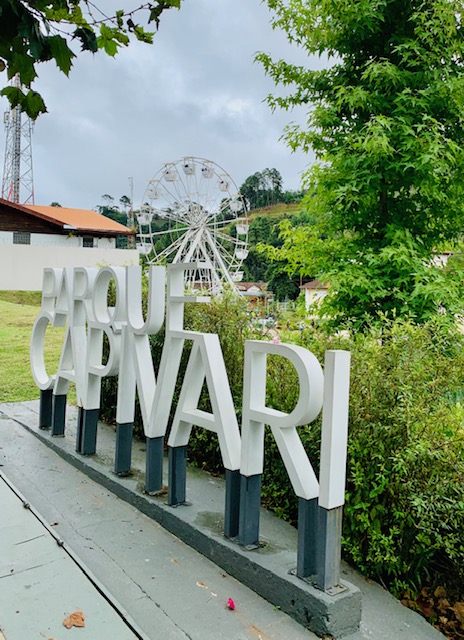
pixel 383 617
pixel 41 583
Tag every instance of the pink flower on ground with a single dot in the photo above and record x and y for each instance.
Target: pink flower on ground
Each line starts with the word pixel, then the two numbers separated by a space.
pixel 230 604
pixel 276 340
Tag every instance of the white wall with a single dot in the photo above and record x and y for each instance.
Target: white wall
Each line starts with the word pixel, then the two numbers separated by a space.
pixel 21 266
pixel 59 240
pixel 312 296
pixel 6 237
pixel 54 240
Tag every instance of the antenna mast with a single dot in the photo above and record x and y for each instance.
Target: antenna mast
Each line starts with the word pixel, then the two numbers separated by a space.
pixel 18 183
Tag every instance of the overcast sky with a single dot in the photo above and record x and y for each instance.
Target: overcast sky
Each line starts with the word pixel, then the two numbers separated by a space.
pixel 195 92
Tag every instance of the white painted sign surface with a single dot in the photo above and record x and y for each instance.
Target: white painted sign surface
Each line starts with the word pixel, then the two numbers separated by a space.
pixel 78 299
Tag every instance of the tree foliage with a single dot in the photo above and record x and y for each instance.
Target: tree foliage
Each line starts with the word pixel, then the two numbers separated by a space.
pixel 36 31
pixel 111 210
pixel 262 189
pixel 385 121
pixel 259 267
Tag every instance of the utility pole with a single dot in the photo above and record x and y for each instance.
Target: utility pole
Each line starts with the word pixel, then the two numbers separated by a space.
pixel 18 183
pixel 130 215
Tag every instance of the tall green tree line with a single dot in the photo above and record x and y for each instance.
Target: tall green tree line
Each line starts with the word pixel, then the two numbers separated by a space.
pixel 265 188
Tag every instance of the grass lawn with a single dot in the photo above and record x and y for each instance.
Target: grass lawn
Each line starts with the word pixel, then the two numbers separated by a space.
pixel 16 320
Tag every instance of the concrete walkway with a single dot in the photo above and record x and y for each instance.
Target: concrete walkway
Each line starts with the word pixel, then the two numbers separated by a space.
pixel 160 586
pixel 42 583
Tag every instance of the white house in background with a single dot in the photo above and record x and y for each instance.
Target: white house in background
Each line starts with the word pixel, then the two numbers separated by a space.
pixel 314 292
pixel 33 237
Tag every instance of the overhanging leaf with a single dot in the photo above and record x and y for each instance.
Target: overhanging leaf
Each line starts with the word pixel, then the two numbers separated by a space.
pixel 34 105
pixel 88 39
pixel 14 95
pixel 61 53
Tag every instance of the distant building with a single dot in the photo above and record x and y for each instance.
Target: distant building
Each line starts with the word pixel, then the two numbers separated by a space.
pixel 33 237
pixel 314 292
pixel 441 259
pixel 257 293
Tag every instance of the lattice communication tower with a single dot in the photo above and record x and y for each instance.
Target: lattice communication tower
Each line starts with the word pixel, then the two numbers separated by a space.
pixel 18 183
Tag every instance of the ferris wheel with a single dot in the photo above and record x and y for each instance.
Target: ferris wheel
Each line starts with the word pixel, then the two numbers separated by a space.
pixel 192 211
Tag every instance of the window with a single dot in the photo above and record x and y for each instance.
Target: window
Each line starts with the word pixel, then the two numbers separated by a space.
pixel 21 237
pixel 121 242
pixel 87 241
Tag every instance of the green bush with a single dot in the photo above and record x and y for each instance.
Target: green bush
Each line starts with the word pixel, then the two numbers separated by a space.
pixel 404 512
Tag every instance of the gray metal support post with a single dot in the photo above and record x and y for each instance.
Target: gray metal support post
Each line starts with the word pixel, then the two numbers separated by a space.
pixel 329 556
pixel 250 500
pixel 177 457
pixel 45 409
pixel 88 439
pixel 306 562
pixel 58 415
pixel 154 465
pixel 319 544
pixel 123 453
pixel 80 419
pixel 232 505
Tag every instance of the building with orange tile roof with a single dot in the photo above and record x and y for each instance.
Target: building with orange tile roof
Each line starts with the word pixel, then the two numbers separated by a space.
pixel 33 237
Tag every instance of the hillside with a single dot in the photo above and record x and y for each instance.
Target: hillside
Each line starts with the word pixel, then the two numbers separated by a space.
pixel 276 210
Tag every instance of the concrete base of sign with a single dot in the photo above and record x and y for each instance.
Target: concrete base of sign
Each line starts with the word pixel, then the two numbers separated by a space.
pixel 268 570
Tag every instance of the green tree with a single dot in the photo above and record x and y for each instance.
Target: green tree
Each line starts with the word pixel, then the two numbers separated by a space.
pixel 385 121
pixel 110 210
pixel 125 203
pixel 273 181
pixel 258 267
pixel 251 190
pixel 36 31
pixel 263 189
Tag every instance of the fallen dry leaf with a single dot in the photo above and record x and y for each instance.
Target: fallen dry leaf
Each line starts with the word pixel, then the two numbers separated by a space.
pixel 202 585
pixel 440 592
pixel 459 611
pixel 426 609
pixel 76 619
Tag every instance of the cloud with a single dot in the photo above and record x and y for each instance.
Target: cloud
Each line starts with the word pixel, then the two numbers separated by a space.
pixel 197 91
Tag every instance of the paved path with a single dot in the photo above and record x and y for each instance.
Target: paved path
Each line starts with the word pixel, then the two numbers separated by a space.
pixel 167 588
pixel 41 584
pixel 173 592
